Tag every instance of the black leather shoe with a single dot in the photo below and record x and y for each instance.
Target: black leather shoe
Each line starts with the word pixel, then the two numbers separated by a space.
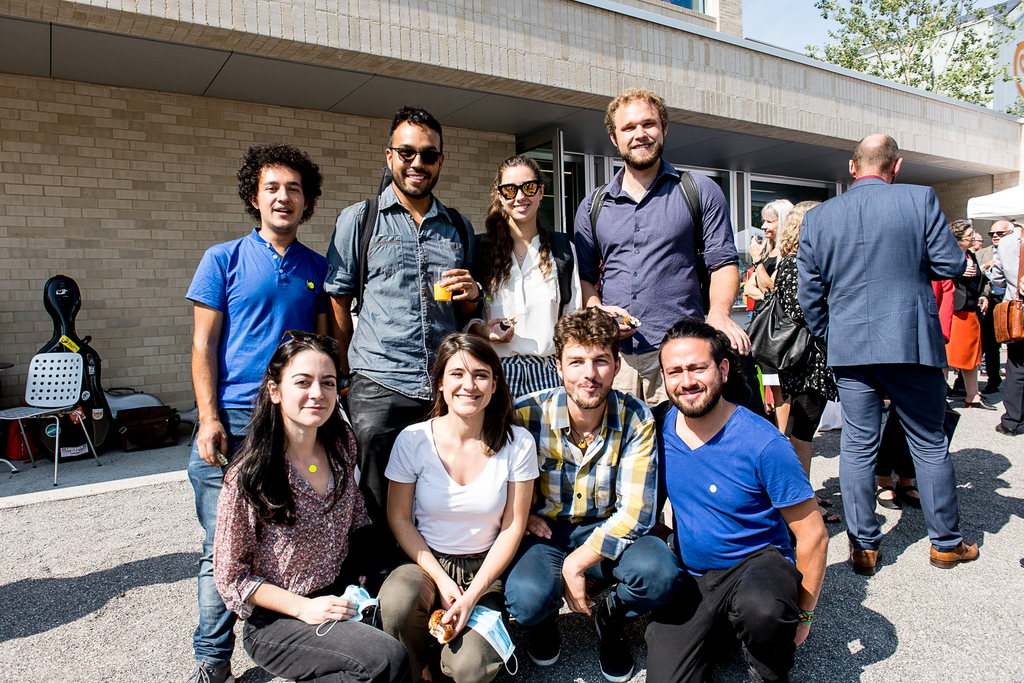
pixel 955 393
pixel 991 388
pixel 979 404
pixel 1000 429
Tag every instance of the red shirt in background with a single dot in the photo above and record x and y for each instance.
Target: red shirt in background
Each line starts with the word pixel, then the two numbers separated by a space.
pixel 944 297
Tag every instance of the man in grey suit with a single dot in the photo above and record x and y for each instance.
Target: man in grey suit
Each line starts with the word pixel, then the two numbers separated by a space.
pixel 875 306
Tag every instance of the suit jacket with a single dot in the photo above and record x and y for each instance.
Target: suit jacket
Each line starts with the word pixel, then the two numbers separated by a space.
pixel 866 259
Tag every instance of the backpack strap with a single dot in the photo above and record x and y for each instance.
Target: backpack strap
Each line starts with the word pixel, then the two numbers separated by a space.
pixel 595 211
pixel 561 252
pixel 461 229
pixel 692 196
pixel 364 235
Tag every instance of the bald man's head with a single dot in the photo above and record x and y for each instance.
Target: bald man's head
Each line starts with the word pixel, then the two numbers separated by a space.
pixel 876 155
pixel 999 230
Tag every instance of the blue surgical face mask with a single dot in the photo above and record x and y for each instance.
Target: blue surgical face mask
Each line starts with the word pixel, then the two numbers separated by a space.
pixel 358 596
pixel 487 622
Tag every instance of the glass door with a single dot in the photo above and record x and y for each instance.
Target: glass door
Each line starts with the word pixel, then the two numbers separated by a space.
pixel 544 147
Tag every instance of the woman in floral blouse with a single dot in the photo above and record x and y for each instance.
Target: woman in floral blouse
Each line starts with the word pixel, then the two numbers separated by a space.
pixel 809 387
pixel 284 516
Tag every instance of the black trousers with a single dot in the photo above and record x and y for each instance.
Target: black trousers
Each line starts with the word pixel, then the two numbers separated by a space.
pixel 349 652
pixel 1013 390
pixel 989 344
pixel 378 415
pixel 758 597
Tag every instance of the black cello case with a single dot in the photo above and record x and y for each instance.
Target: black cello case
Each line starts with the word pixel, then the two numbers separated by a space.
pixel 62 300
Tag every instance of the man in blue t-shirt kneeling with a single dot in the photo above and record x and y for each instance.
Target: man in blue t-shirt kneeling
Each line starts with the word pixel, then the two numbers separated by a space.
pixel 734 483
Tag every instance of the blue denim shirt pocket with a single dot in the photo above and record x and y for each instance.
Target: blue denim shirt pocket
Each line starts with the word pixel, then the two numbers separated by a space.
pixel 446 253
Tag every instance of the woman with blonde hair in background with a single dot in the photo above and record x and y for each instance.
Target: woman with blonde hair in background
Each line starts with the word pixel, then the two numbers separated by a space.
pixel 807 388
pixel 766 260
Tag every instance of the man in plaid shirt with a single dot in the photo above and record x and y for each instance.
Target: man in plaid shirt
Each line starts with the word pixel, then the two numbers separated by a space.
pixel 593 503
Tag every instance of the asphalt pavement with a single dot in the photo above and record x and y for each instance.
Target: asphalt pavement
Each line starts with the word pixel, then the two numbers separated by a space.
pixel 98 580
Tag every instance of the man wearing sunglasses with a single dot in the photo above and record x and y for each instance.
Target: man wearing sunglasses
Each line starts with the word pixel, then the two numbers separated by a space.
pixel 246 293
pixel 415 243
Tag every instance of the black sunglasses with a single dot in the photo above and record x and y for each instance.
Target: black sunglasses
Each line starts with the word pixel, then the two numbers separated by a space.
pixel 509 191
pixel 998 234
pixel 407 154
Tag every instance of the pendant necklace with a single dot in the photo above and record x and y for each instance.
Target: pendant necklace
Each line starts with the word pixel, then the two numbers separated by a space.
pixel 451 457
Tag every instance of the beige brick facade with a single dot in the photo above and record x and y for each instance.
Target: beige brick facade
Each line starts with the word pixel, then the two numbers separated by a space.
pixel 730 17
pixel 123 190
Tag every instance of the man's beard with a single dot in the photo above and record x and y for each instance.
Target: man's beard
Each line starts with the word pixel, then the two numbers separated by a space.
pixel 414 193
pixel 593 402
pixel 654 157
pixel 707 403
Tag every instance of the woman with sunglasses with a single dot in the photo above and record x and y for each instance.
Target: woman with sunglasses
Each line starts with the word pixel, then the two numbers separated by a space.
pixel 515 263
pixel 460 489
pixel 284 517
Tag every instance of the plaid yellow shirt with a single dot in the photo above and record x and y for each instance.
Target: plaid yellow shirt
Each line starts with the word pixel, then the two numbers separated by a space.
pixel 616 479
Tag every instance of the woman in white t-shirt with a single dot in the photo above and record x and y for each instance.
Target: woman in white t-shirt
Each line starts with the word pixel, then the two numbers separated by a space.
pixel 517 264
pixel 460 489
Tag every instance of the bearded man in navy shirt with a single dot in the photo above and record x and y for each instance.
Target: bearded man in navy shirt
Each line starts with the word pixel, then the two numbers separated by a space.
pixel 642 251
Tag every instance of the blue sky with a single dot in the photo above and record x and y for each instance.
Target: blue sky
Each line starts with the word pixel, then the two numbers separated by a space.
pixel 792 24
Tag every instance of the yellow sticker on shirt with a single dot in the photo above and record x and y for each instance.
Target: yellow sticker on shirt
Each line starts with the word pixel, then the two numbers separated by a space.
pixel 66 341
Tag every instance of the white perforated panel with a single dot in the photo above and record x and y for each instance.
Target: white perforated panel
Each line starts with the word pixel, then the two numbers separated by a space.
pixel 54 380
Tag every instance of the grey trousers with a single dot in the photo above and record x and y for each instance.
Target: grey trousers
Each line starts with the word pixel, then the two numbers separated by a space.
pixel 408 598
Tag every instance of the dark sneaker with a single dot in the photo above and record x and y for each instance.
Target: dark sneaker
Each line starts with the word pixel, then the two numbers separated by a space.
pixel 211 673
pixel 545 644
pixel 616 659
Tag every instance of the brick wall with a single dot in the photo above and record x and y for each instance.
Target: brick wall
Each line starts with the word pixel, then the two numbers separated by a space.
pixel 123 190
pixel 730 17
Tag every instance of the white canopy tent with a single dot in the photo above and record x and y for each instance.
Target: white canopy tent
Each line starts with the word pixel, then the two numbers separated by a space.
pixel 1005 204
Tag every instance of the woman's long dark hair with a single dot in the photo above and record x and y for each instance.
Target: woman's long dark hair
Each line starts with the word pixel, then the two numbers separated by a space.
pixel 498 415
pixel 262 467
pixel 493 262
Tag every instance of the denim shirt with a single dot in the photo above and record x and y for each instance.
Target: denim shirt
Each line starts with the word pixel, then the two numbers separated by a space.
pixel 400 325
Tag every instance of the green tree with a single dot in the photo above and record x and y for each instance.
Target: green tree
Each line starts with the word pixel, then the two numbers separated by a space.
pixel 949 47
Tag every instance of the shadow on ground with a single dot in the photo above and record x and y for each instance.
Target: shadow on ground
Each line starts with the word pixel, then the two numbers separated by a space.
pixel 38 605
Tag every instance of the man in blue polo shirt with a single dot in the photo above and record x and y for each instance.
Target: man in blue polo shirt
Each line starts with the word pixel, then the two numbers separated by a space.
pixel 735 484
pixel 644 261
pixel 246 293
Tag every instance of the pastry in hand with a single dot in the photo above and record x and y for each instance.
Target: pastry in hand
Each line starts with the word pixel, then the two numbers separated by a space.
pixel 508 322
pixel 443 632
pixel 631 321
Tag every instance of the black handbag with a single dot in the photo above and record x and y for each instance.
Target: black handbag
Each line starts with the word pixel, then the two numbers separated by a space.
pixel 775 338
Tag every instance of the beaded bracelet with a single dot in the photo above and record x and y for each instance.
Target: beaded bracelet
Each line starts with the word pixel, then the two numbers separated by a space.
pixel 805 617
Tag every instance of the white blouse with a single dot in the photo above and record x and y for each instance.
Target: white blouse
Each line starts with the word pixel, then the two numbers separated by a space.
pixel 533 299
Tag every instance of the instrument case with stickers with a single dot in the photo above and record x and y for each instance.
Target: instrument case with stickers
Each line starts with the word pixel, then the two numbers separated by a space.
pixel 63 299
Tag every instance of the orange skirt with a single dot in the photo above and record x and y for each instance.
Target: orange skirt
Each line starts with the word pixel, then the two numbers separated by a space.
pixel 963 350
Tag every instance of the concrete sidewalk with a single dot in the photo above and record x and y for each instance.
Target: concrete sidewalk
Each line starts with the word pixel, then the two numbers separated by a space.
pixel 98 580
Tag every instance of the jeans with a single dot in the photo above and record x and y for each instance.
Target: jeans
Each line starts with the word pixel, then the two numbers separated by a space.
pixel 349 652
pixel 758 596
pixel 214 639
pixel 647 572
